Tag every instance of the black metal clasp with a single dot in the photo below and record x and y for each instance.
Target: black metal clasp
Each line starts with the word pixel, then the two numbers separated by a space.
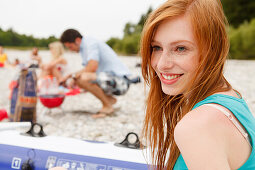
pixel 34 132
pixel 127 143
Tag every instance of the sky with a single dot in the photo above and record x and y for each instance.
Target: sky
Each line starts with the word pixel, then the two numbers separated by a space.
pixel 101 19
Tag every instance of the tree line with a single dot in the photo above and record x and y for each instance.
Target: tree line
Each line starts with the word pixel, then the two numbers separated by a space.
pixel 129 44
pixel 12 38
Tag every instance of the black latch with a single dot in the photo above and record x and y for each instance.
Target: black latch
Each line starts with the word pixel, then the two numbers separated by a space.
pixel 128 144
pixel 35 133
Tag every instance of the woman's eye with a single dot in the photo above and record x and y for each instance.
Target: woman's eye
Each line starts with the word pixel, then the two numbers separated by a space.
pixel 156 48
pixel 181 49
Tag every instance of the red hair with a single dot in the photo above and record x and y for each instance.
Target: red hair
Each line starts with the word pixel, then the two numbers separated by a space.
pixel 163 112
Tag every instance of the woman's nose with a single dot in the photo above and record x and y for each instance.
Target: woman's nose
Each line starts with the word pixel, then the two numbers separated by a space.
pixel 165 61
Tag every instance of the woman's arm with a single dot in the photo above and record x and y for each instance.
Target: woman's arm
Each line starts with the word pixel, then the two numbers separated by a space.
pixel 53 63
pixel 201 140
pixel 60 60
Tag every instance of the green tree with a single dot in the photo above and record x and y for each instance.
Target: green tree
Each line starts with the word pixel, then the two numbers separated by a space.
pixel 129 44
pixel 116 44
pixel 242 41
pixel 238 11
pixel 144 17
pixel 235 43
pixel 129 29
pixel 12 38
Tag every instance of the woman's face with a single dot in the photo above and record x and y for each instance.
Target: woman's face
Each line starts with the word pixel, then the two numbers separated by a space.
pixel 174 54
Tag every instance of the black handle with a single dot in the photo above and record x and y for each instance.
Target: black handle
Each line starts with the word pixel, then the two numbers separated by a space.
pixel 32 132
pixel 127 144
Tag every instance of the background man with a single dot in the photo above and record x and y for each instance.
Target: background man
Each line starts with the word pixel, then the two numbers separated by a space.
pixel 97 57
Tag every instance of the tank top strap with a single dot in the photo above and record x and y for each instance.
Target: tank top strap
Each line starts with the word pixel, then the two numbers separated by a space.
pixel 234 121
pixel 239 109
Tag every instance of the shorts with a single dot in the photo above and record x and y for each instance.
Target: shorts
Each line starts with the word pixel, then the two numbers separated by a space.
pixel 112 84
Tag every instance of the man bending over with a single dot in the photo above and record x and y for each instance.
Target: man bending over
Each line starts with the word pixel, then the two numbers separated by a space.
pixel 97 57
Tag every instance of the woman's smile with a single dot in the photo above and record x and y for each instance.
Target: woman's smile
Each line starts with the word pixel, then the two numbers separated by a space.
pixel 169 79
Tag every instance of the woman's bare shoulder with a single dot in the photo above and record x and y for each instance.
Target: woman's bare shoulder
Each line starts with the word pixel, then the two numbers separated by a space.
pixel 204 118
pixel 200 136
pixel 205 123
pixel 207 118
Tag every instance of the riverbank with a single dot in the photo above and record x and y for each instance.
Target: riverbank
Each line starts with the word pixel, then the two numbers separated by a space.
pixel 76 121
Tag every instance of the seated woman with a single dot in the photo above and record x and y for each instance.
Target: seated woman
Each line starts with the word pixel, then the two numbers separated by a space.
pixel 56 66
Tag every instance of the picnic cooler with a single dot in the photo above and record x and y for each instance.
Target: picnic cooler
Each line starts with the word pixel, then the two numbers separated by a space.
pixel 37 151
pixel 24 97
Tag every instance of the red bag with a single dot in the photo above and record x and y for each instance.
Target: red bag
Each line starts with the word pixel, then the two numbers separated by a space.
pixel 3 114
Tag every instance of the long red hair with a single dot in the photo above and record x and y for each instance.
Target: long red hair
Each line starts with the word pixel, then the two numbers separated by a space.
pixel 163 111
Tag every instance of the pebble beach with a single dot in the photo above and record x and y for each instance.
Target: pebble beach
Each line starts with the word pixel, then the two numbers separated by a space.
pixel 74 119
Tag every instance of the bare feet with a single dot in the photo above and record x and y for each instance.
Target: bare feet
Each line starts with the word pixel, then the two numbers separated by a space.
pixel 107 109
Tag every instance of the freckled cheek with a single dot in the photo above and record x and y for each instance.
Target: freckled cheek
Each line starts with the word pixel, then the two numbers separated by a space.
pixel 154 62
pixel 192 66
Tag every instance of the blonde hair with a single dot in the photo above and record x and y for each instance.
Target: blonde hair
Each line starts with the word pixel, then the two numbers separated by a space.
pixel 163 112
pixel 57 49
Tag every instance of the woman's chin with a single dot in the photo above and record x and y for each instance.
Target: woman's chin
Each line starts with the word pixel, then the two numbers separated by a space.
pixel 170 92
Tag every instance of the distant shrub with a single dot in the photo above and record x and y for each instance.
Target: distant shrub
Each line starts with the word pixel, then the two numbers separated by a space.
pixel 113 41
pixel 242 41
pixel 131 44
pixel 128 45
pixel 12 38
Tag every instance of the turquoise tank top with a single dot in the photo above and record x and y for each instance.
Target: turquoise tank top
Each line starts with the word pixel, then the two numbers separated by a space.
pixel 240 109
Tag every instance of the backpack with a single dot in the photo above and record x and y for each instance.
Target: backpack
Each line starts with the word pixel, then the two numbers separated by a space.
pixel 24 97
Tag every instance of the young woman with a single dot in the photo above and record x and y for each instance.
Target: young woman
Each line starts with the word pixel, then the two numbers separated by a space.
pixel 57 65
pixel 194 118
